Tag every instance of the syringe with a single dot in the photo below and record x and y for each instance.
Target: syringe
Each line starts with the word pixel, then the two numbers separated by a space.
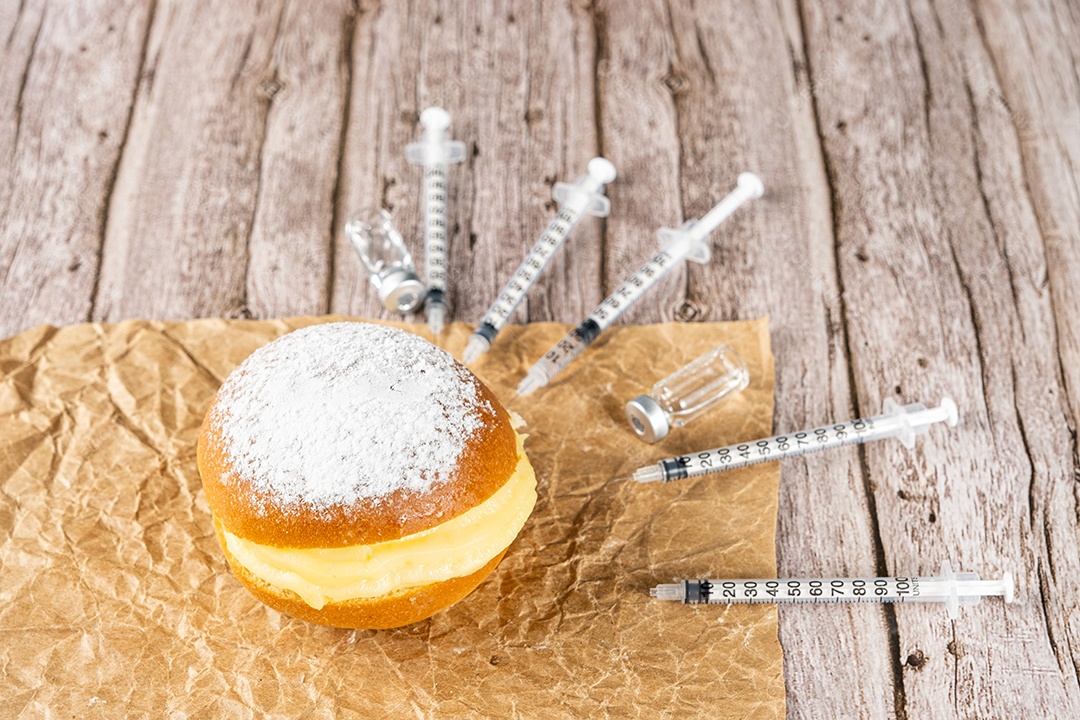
pixel 953 589
pixel 900 421
pixel 434 152
pixel 689 242
pixel 584 196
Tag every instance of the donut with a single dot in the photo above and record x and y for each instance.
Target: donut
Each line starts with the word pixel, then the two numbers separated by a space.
pixel 360 477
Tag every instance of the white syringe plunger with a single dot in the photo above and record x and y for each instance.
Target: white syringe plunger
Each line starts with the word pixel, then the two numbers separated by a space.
pixel 968 589
pixel 915 419
pixel 602 170
pixel 434 147
pixel 696 232
pixel 435 118
pixel 587 194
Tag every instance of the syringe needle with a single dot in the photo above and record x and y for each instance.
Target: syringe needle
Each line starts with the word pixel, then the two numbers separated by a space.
pixel 586 196
pixel 689 242
pixel 648 474
pixel 534 379
pixel 952 589
pixel 434 152
pixel 903 422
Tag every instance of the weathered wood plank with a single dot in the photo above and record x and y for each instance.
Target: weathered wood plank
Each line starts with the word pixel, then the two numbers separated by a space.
pixel 640 134
pixel 518 86
pixel 930 239
pixel 180 218
pixel 744 102
pixel 67 76
pixel 288 269
pixel 1032 79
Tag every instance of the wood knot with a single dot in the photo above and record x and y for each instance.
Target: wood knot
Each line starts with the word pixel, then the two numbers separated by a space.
pixel 495 660
pixel 270 88
pixel 916 660
pixel 689 311
pixel 675 82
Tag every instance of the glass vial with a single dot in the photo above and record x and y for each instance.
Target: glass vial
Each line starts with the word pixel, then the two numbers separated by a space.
pixel 387 260
pixel 687 393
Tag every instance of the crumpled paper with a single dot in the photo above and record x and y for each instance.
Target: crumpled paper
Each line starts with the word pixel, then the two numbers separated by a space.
pixel 115 600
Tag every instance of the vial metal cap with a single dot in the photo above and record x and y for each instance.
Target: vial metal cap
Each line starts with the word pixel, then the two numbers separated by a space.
pixel 401 291
pixel 647 418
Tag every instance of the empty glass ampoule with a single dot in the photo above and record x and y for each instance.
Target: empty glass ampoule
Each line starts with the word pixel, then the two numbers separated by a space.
pixel 687 393
pixel 387 260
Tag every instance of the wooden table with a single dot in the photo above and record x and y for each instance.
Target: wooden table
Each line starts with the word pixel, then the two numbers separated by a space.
pixel 920 237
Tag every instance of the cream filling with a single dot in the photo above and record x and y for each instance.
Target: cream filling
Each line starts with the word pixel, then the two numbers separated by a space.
pixel 456 548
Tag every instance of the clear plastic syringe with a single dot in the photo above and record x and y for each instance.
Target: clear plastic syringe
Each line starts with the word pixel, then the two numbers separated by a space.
pixel 434 152
pixel 899 421
pixel 689 242
pixel 952 589
pixel 586 196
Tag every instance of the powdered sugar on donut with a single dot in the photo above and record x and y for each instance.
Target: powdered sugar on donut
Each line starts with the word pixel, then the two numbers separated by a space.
pixel 343 412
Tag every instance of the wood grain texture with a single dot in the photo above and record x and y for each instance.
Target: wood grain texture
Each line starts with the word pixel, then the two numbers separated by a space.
pixel 920 237
pixel 931 239
pixel 180 217
pixel 67 81
pixel 288 269
pixel 640 134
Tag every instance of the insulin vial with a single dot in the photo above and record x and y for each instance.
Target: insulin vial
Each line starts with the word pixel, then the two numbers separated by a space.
pixel 687 393
pixel 387 260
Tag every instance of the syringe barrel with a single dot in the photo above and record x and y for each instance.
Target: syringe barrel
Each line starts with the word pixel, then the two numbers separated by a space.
pixel 570 347
pixel 812 590
pixel 534 263
pixel 951 589
pixel 575 342
pixel 635 287
pixel 777 447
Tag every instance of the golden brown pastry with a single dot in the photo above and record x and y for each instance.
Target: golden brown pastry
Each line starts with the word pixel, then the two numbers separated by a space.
pixel 358 476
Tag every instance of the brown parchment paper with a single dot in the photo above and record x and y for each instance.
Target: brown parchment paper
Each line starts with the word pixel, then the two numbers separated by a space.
pixel 115 600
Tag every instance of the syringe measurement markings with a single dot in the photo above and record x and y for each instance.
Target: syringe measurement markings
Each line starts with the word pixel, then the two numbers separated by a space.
pixel 630 291
pixel 689 242
pixel 778 447
pixel 714 592
pixel 435 236
pixel 609 311
pixel 530 268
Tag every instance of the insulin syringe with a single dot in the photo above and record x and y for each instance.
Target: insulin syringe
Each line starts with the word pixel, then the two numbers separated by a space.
pixel 689 242
pixel 586 196
pixel 434 152
pixel 903 422
pixel 952 589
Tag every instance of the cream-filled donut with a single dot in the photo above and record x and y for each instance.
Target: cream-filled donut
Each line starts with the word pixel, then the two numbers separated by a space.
pixel 359 476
